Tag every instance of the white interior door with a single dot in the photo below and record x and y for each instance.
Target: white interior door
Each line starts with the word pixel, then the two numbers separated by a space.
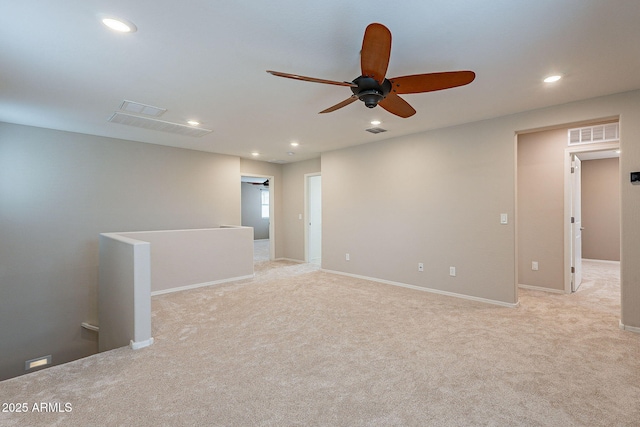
pixel 576 225
pixel 314 219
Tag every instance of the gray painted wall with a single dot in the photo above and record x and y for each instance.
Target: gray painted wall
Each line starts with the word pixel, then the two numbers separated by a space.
pixel 293 174
pixel 58 191
pixel 252 210
pixel 541 208
pixel 432 198
pixel 436 198
pixel 601 209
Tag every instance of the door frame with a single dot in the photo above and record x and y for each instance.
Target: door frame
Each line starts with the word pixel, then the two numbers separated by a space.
pixel 568 241
pixel 307 213
pixel 272 211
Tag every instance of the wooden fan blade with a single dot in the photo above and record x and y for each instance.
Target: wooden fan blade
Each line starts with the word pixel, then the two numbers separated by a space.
pixel 376 50
pixel 396 105
pixel 340 105
pixel 419 83
pixel 311 79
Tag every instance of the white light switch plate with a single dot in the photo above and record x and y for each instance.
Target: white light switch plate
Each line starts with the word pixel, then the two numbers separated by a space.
pixel 504 218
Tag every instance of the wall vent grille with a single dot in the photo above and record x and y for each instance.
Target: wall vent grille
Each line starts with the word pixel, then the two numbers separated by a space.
pixel 594 134
pixel 159 125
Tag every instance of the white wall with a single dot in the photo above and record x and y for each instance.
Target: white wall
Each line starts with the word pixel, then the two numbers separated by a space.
pixel 58 191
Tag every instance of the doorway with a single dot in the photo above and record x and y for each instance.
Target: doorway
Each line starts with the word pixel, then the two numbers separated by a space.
pixel 257 211
pixel 578 187
pixel 313 218
pixel 545 236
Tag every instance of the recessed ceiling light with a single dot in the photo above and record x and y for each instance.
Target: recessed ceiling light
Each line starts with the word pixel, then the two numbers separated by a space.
pixel 375 122
pixel 119 24
pixel 255 154
pixel 294 144
pixel 193 122
pixel 553 78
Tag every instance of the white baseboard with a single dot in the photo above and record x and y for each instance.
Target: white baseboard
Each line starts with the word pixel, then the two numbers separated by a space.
pixel 201 285
pixel 629 328
pixel 289 259
pixel 604 261
pixel 137 345
pixel 424 289
pixel 541 288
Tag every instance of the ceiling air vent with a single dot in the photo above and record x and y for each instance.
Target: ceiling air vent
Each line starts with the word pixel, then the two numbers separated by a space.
pixel 376 130
pixel 594 134
pixel 144 109
pixel 159 125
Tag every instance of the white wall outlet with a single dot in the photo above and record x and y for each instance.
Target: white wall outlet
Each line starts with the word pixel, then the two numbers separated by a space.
pixel 534 265
pixel 504 218
pixel 452 271
pixel 346 257
pixel 420 266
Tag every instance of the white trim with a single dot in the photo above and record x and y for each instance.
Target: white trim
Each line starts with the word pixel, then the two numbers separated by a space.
pixel 568 151
pixel 290 259
pixel 201 285
pixel 306 212
pixel 421 288
pixel 541 288
pixel 140 344
pixel 629 328
pixel 603 261
pixel 90 327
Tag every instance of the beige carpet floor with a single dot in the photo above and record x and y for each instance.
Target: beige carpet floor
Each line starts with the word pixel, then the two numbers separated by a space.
pixel 297 346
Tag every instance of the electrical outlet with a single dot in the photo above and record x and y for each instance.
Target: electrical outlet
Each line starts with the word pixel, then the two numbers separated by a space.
pixel 420 266
pixel 346 257
pixel 452 271
pixel 534 265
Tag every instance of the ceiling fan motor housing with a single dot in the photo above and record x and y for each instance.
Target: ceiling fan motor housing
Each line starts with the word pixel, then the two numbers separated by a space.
pixel 370 91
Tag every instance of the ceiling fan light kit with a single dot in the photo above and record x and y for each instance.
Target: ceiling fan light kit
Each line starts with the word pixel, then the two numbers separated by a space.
pixel 373 88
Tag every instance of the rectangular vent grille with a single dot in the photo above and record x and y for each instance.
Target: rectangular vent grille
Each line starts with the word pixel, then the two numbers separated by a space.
pixel 159 125
pixel 594 134
pixel 138 108
pixel 376 130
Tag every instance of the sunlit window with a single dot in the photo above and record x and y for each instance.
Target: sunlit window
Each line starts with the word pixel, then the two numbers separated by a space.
pixel 265 203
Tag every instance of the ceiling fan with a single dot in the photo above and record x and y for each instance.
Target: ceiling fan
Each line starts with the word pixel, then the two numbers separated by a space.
pixel 373 88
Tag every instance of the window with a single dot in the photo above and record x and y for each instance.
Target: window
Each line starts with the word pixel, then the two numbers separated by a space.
pixel 265 203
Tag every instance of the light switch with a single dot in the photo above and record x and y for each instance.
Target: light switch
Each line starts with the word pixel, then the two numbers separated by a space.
pixel 299 216
pixel 504 219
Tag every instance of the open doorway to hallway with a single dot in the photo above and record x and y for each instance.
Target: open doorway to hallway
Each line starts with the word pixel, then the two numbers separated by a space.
pixel 258 212
pixel 545 202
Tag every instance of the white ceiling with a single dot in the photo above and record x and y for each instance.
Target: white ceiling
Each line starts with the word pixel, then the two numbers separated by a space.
pixel 205 59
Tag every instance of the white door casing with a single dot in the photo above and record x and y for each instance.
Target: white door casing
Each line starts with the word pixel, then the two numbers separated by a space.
pixel 313 210
pixel 576 222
